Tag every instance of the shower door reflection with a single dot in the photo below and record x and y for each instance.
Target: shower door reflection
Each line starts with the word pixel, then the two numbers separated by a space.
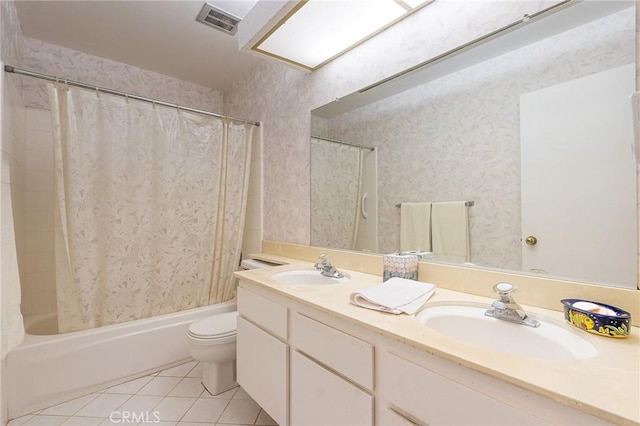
pixel 343 196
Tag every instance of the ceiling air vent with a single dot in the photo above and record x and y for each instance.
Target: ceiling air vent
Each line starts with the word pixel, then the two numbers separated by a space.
pixel 218 19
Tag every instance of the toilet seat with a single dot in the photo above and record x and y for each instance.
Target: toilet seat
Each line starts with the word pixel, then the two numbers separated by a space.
pixel 215 327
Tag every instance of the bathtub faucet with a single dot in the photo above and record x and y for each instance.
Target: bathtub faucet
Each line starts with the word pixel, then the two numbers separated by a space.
pixel 326 268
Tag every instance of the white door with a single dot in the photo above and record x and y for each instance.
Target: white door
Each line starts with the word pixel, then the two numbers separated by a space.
pixel 579 179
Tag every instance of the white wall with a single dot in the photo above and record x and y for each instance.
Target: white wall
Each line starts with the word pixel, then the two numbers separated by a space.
pixel 252 233
pixel 38 277
pixel 74 65
pixel 12 168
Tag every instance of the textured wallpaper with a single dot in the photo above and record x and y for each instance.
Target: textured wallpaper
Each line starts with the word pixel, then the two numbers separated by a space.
pixel 457 138
pixel 12 200
pixel 12 40
pixel 68 63
pixel 283 97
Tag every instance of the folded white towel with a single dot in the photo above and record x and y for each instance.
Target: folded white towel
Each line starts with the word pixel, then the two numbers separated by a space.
pixel 396 295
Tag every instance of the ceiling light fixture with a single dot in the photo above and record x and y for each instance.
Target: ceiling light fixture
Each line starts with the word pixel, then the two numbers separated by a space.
pixel 318 31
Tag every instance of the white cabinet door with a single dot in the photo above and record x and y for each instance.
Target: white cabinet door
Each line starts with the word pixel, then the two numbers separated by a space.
pixel 387 417
pixel 263 363
pixel 345 354
pixel 271 316
pixel 437 400
pixel 320 397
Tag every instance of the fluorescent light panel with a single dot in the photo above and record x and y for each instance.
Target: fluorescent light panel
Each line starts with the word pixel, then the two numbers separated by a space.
pixel 322 29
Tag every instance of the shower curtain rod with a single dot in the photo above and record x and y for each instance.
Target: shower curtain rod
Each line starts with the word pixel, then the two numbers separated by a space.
pixel 343 143
pixel 13 70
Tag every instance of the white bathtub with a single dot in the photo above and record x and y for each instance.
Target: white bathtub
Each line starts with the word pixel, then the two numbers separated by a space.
pixel 48 369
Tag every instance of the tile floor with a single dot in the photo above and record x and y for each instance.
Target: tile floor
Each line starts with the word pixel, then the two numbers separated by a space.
pixel 173 397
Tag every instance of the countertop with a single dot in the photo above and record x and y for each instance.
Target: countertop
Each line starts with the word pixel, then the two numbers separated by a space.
pixel 607 386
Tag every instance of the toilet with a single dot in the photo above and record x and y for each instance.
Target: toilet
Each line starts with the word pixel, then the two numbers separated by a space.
pixel 212 341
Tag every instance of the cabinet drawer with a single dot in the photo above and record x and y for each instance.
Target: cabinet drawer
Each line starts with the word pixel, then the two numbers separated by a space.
pixel 434 399
pixel 263 366
pixel 347 355
pixel 268 314
pixel 320 397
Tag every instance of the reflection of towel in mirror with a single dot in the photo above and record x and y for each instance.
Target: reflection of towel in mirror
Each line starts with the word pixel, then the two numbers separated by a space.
pixel 396 296
pixel 450 231
pixel 415 232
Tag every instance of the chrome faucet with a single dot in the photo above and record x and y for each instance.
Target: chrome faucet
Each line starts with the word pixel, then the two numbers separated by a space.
pixel 507 309
pixel 326 268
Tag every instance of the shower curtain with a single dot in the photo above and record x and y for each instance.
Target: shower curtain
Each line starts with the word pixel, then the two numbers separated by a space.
pixel 336 192
pixel 149 207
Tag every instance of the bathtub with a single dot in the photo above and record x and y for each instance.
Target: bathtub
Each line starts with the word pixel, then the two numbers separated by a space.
pixel 48 368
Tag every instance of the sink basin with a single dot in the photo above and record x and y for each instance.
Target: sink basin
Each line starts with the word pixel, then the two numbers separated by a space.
pixel 306 277
pixel 468 324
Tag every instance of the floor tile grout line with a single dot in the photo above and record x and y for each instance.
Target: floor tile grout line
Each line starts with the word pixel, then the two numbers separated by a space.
pixel 163 398
pixel 118 407
pixel 218 418
pixel 65 402
pixel 257 415
pixel 98 393
pixel 189 372
pixel 225 408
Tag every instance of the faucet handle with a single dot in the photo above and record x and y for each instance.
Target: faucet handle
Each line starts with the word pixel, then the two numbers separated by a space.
pixel 504 289
pixel 324 261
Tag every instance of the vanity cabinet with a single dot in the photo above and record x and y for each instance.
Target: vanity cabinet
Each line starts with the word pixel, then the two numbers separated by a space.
pixel 388 417
pixel 421 388
pixel 320 397
pixel 430 398
pixel 343 353
pixel 263 354
pixel 307 365
pixel 331 375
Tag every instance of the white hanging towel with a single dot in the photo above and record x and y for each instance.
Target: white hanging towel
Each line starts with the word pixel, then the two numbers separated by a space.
pixel 450 231
pixel 415 232
pixel 396 296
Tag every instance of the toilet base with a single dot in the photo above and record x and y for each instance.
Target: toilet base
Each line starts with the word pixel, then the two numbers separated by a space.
pixel 219 377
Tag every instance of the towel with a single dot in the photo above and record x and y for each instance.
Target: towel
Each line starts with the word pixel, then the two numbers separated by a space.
pixel 450 231
pixel 415 233
pixel 396 296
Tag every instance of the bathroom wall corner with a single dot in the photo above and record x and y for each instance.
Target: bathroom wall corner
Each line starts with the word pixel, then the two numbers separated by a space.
pixel 253 224
pixel 12 146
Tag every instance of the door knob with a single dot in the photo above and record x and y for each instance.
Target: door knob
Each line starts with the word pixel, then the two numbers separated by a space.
pixel 531 240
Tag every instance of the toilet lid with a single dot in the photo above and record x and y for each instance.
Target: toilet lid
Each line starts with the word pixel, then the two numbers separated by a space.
pixel 221 325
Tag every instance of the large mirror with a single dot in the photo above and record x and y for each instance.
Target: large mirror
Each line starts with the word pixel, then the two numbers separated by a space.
pixel 491 126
